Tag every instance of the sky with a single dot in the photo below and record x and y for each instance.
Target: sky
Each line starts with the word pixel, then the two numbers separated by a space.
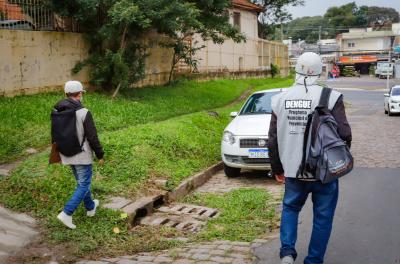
pixel 319 7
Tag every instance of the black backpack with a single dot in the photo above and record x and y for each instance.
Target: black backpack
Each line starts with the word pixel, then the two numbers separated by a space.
pixel 325 155
pixel 64 133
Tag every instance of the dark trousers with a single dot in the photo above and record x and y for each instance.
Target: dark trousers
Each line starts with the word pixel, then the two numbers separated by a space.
pixel 324 198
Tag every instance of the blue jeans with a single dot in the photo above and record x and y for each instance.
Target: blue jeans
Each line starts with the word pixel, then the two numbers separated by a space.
pixel 324 198
pixel 83 176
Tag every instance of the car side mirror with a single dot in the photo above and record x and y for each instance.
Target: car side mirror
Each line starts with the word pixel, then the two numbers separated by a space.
pixel 234 114
pixel 386 95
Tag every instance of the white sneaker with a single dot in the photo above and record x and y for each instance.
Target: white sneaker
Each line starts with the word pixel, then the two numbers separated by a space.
pixel 66 220
pixel 287 260
pixel 91 213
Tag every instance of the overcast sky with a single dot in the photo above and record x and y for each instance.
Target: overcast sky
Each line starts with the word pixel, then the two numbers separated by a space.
pixel 318 7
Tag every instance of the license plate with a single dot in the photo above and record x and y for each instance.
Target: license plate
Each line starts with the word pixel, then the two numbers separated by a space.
pixel 258 153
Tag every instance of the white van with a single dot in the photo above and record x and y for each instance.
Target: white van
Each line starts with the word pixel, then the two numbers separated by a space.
pixel 383 69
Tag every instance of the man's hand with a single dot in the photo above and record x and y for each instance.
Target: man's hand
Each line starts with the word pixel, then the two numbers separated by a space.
pixel 101 162
pixel 280 178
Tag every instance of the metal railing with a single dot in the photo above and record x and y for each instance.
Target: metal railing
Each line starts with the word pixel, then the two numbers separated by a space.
pixel 33 15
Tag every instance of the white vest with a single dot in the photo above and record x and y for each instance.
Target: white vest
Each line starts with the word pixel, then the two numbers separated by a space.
pixel 292 108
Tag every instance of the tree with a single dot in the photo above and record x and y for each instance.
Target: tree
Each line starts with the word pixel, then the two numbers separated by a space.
pixel 210 20
pixel 343 16
pixel 115 30
pixel 339 19
pixel 275 15
pixel 380 14
pixel 307 28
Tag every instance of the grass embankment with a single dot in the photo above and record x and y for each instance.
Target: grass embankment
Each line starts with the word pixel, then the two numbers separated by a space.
pixel 172 149
pixel 25 119
pixel 246 214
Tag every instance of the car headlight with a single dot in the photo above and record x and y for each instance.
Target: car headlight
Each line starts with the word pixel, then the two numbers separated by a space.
pixel 394 101
pixel 229 137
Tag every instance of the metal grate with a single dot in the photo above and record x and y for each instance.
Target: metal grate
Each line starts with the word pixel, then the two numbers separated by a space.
pixel 33 15
pixel 252 143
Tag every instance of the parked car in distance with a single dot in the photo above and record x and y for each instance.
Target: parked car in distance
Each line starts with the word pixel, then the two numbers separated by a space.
pixel 245 140
pixel 383 69
pixel 392 101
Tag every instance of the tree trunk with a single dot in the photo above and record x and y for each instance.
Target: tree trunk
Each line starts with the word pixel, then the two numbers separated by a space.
pixel 172 68
pixel 122 49
pixel 116 91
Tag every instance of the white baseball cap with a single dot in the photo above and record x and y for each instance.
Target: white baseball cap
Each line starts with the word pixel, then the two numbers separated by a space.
pixel 308 68
pixel 73 87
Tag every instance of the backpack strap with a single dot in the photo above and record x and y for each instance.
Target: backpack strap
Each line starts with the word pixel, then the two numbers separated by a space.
pixel 311 127
pixel 324 99
pixel 302 167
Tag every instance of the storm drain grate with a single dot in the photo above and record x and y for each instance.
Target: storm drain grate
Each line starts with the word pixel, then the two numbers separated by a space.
pixel 198 212
pixel 178 222
pixel 185 217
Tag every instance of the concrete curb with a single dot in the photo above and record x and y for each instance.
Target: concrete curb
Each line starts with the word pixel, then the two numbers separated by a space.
pixel 145 205
pixel 192 183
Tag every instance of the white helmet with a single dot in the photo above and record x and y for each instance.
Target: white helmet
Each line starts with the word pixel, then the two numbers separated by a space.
pixel 73 87
pixel 308 68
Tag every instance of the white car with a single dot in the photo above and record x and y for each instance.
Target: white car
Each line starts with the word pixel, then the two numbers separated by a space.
pixel 245 140
pixel 392 101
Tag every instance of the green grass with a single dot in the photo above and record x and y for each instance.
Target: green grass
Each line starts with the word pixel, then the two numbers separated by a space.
pixel 171 149
pixel 25 120
pixel 245 214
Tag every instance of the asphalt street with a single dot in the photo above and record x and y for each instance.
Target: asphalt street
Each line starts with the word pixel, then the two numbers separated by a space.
pixel 367 221
pixel 365 82
pixel 366 226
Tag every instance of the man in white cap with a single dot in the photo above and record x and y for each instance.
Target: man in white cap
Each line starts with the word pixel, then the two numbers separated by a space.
pixel 75 135
pixel 286 139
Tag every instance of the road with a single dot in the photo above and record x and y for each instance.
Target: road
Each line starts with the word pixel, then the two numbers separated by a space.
pixel 365 83
pixel 367 222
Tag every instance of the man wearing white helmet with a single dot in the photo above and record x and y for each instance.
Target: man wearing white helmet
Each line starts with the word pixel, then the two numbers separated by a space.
pixel 286 140
pixel 75 135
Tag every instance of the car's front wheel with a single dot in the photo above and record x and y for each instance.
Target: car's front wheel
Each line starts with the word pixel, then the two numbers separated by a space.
pixel 231 172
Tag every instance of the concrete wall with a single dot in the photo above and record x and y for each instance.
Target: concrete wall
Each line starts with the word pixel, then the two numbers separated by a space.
pixel 158 62
pixel 37 61
pixel 252 55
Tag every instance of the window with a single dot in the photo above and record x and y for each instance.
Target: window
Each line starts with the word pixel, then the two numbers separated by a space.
pixel 351 44
pixel 259 104
pixel 236 20
pixel 240 63
pixel 395 91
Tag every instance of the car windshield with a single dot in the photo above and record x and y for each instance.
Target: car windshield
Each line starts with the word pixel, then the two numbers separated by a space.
pixel 259 103
pixel 395 91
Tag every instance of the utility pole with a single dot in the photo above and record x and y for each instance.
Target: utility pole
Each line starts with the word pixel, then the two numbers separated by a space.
pixel 319 39
pixel 388 77
pixel 319 33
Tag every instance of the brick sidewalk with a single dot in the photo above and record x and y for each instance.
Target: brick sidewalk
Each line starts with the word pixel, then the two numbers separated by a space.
pixel 216 252
pixel 375 140
pixel 219 183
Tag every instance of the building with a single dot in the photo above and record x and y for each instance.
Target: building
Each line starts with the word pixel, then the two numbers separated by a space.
pixel 252 57
pixel 363 47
